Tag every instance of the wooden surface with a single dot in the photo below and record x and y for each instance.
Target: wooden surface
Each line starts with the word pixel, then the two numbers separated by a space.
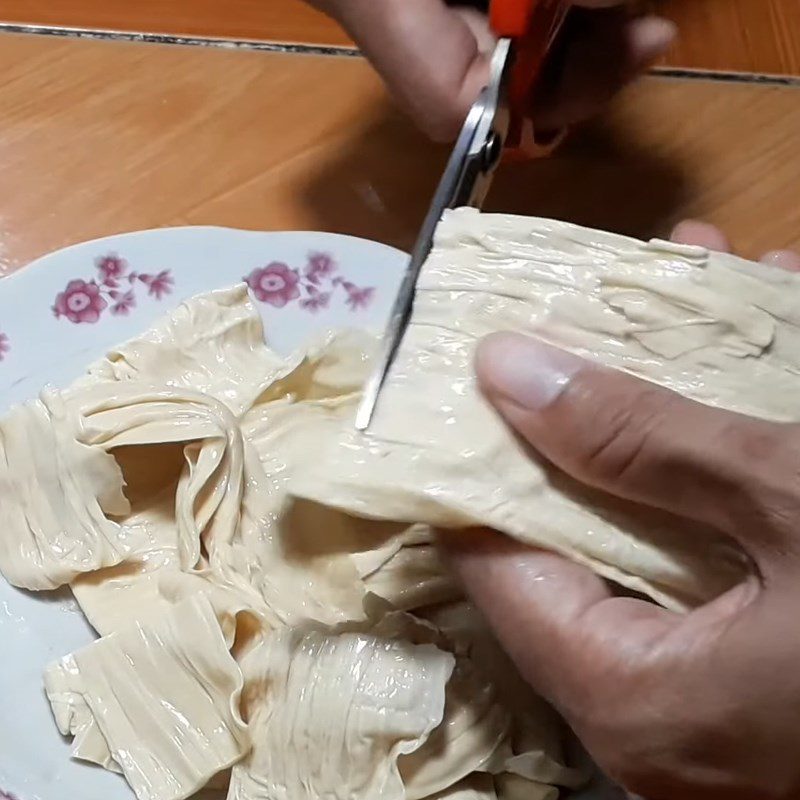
pixel 104 137
pixel 741 35
pixel 271 20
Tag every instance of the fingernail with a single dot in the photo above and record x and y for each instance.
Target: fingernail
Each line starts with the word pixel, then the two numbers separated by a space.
pixel 700 234
pixel 652 36
pixel 525 371
pixel 783 259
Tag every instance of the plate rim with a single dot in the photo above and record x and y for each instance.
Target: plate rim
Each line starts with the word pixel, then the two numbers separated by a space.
pixel 98 240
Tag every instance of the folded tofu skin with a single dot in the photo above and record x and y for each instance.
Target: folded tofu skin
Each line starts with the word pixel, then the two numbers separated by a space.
pixel 710 326
pixel 273 617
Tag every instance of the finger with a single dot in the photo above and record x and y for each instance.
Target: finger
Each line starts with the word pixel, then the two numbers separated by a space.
pixel 784 259
pixel 700 234
pixel 602 52
pixel 434 59
pixel 558 621
pixel 644 443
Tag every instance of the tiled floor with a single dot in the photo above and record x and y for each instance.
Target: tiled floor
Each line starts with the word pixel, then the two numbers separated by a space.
pixel 742 35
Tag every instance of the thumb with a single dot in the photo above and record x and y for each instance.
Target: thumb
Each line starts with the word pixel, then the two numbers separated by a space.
pixel 638 441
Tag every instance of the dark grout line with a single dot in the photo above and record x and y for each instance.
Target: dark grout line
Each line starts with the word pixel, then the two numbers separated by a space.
pixel 185 41
pixel 349 52
pixel 726 77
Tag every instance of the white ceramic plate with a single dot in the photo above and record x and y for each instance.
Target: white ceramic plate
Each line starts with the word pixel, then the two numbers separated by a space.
pixel 70 307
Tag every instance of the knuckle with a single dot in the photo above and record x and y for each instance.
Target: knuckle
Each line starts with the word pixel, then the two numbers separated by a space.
pixel 438 113
pixel 441 129
pixel 439 110
pixel 765 464
pixel 623 435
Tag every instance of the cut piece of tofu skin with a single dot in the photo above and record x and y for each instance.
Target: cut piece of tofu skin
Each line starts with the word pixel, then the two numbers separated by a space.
pixel 49 538
pixel 251 645
pixel 164 698
pixel 710 326
pixel 332 714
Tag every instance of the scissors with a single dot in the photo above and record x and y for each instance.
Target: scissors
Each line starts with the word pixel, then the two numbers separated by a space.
pixel 496 127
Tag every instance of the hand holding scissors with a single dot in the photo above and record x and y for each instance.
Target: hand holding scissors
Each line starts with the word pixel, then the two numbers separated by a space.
pixel 434 56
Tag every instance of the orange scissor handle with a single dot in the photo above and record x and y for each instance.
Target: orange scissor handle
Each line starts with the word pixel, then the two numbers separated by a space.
pixel 511 18
pixel 532 25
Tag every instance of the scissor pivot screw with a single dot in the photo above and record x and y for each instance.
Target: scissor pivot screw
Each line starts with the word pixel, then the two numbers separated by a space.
pixel 492 151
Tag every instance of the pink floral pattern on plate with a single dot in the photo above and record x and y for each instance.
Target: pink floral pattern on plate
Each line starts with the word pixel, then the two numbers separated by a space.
pixel 275 284
pixel 5 347
pixel 313 287
pixel 114 289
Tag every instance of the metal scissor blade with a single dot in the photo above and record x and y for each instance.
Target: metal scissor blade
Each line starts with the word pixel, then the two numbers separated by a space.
pixel 465 182
pixel 447 190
